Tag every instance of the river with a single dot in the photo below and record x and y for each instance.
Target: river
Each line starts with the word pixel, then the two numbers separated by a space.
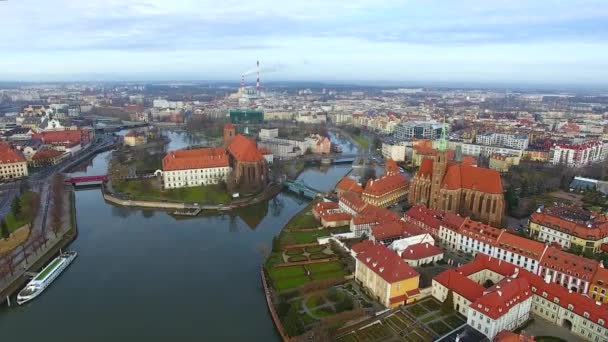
pixel 146 276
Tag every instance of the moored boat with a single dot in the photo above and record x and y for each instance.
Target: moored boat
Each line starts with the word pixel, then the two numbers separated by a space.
pixel 43 279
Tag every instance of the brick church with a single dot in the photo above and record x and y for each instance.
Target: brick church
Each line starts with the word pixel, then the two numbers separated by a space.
pixel 458 188
pixel 250 171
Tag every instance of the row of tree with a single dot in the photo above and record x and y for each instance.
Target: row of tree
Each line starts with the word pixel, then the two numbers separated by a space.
pixel 57 200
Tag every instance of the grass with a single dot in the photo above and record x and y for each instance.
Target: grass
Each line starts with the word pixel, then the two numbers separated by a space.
pixel 303 221
pixel 289 238
pixel 417 310
pixel 315 249
pixel 431 318
pixel 295 251
pixel 323 312
pixel 318 256
pixel 288 277
pixel 440 328
pixel 30 202
pixel 297 258
pixel 145 189
pixel 314 301
pixel 48 269
pixel 454 321
pixel 430 305
pixel 327 270
pixel 362 141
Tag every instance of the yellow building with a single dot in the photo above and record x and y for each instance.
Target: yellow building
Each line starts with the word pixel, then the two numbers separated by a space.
pixel 598 289
pixel 134 138
pixel 12 163
pixel 385 276
pixel 502 163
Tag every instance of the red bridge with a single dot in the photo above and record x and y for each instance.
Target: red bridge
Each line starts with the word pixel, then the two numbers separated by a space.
pixel 86 179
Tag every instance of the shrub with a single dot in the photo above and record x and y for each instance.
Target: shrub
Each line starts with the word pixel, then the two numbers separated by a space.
pixel 345 304
pixel 287 295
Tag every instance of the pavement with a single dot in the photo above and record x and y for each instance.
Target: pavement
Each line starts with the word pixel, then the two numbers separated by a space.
pixel 542 327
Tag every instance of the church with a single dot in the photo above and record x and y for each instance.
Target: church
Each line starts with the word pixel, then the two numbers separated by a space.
pixel 458 188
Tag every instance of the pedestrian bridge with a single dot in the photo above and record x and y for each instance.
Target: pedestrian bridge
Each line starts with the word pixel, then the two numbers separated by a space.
pixel 86 179
pixel 300 188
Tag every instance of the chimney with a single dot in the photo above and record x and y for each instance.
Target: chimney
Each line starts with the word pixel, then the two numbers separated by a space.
pixel 598 303
pixel 257 84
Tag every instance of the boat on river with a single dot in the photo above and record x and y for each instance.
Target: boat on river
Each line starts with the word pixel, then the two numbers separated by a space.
pixel 43 279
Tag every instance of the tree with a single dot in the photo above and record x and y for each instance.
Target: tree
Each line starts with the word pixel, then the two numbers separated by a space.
pixel 448 304
pixel 16 207
pixel 4 228
pixel 292 323
pixel 276 246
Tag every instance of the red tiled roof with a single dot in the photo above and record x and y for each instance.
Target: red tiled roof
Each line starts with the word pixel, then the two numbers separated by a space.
pixel 386 263
pixel 391 167
pixel 460 176
pixel 353 201
pixel 229 126
pixel 334 217
pixel 349 184
pixel 361 246
pixel 9 155
pixel 46 154
pixel 419 251
pixel 601 275
pixel 385 184
pixel 50 137
pixel 426 167
pixel 520 245
pixel 245 150
pixel 373 214
pixel 460 284
pixel 497 300
pixel 434 218
pixel 589 230
pixel 395 229
pixel 571 264
pixel 199 158
pixel 480 231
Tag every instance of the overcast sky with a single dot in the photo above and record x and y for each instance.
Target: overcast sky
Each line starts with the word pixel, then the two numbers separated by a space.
pixel 490 40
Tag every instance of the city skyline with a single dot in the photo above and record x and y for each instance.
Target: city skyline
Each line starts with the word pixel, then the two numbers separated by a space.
pixel 541 42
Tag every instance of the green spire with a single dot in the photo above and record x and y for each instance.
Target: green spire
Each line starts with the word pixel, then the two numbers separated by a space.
pixel 443 142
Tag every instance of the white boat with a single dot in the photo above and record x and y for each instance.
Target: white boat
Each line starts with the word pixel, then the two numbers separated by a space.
pixel 43 279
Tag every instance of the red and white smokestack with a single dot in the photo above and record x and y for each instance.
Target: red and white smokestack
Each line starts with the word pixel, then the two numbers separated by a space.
pixel 242 82
pixel 257 84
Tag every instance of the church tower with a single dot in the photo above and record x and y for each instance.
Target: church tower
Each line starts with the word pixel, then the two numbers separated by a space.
pixel 229 134
pixel 439 168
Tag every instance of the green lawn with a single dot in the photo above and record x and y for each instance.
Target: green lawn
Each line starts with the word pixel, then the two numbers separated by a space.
pixel 362 140
pixel 303 220
pixel 440 328
pixel 30 202
pixel 288 277
pixel 326 270
pixel 314 301
pixel 145 189
pixel 292 238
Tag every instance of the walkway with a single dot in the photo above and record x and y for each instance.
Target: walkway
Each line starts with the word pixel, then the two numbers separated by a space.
pixel 542 327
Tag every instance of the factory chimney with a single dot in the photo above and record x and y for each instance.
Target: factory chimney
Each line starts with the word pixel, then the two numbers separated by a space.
pixel 257 84
pixel 242 83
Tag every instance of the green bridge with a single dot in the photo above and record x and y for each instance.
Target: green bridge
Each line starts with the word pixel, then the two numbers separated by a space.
pixel 300 188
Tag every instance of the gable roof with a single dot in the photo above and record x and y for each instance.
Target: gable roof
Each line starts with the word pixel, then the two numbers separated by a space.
pixel 386 263
pixel 349 184
pixel 419 251
pixel 245 150
pixel 385 184
pixel 460 176
pixel 9 155
pixel 199 158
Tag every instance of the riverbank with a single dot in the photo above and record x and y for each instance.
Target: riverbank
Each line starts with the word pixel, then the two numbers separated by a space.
pixel 44 253
pixel 119 199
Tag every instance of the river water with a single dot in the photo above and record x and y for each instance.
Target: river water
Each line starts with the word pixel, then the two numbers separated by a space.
pixel 146 276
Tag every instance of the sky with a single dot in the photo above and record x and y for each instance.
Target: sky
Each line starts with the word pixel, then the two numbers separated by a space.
pixel 562 42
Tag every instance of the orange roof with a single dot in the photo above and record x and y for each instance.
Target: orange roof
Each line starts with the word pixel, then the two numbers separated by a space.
pixel 459 283
pixel 391 167
pixel 265 150
pixel 385 184
pixel 600 278
pixel 460 176
pixel 590 230
pixel 571 264
pixel 353 201
pixel 434 218
pixel 349 184
pixel 426 167
pixel 50 137
pixel 497 300
pixel 419 251
pixel 200 158
pixel 334 217
pixel 520 245
pixel 480 231
pixel 229 126
pixel 45 154
pixel 386 263
pixel 395 229
pixel 244 149
pixel 9 155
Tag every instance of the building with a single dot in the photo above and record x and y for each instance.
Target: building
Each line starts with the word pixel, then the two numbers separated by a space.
pixel 515 141
pixel 66 141
pixel 599 285
pixel 421 254
pixel 418 130
pixel 394 151
pixel 387 232
pixel 330 215
pixel 13 164
pixel 196 167
pixel 458 188
pixel 495 295
pixel 246 116
pixel 576 155
pixel 386 190
pixel 248 164
pixel 385 276
pixel 431 221
pixel 134 138
pixel 502 163
pixel 569 227
pixel 48 157
pixel 348 184
pixel 269 133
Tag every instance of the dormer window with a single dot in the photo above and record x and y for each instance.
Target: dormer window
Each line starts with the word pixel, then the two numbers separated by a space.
pixel 556 300
pixel 586 314
pixel 570 307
